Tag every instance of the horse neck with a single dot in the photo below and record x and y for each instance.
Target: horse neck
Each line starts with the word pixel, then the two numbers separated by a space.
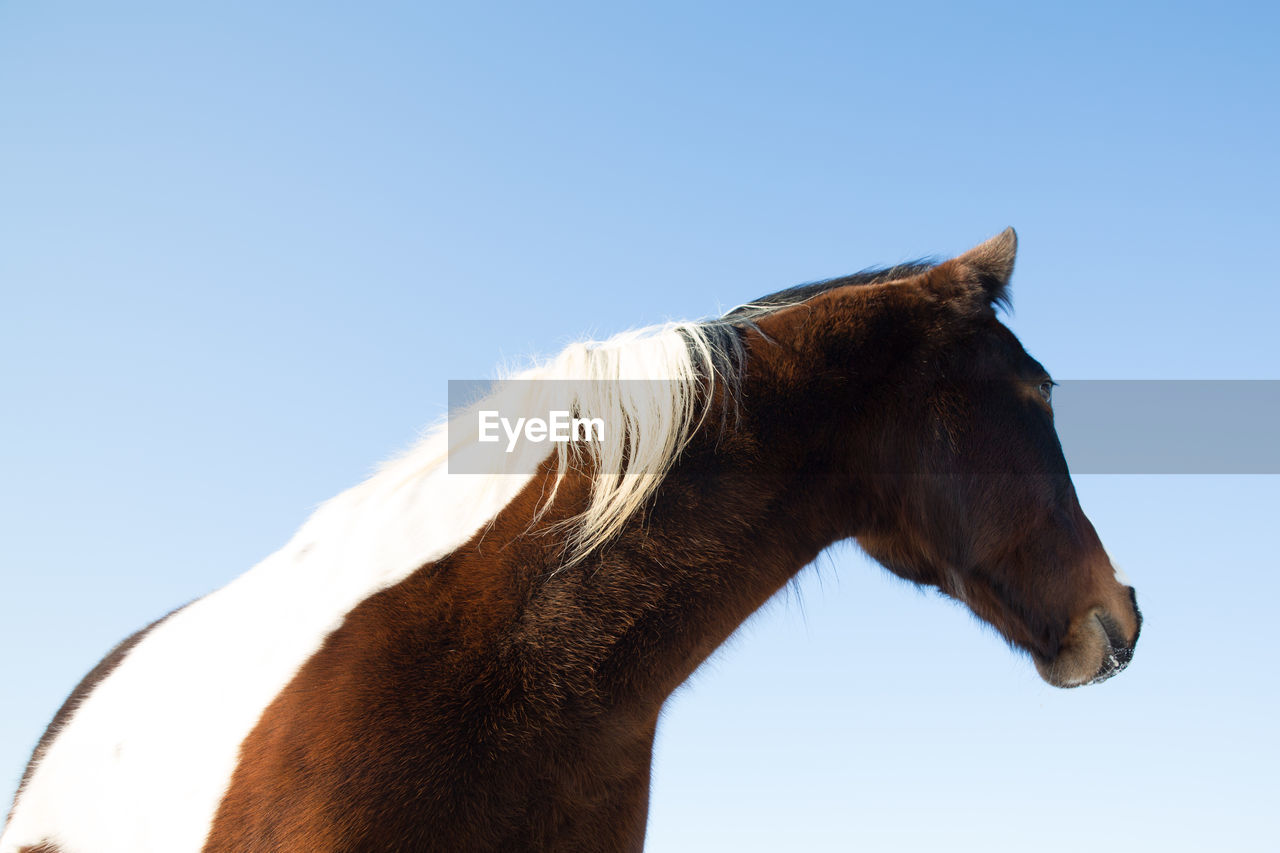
pixel 741 511
pixel 736 517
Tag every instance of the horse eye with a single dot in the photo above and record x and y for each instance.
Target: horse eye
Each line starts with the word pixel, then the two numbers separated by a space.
pixel 1046 391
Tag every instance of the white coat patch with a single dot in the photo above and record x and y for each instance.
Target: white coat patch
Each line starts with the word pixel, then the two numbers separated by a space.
pixel 143 764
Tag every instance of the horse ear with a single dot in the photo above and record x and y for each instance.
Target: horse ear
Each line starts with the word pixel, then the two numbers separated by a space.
pixel 990 265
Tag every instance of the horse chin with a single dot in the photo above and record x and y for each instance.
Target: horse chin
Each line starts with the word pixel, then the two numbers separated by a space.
pixel 1094 651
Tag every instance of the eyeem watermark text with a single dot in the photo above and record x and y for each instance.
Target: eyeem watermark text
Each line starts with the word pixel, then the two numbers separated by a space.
pixel 559 426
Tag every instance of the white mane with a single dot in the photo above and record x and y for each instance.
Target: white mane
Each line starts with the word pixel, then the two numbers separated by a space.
pixel 652 386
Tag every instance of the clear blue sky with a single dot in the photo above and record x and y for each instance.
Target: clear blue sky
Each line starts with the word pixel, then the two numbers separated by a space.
pixel 243 247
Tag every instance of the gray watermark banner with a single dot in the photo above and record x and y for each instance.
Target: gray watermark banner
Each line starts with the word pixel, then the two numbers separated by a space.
pixel 1105 426
pixel 1169 426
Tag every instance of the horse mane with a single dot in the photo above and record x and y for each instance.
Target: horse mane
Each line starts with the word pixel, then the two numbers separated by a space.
pixel 804 292
pixel 656 384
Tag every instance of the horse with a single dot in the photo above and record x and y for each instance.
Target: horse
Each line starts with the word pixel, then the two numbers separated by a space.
pixel 448 660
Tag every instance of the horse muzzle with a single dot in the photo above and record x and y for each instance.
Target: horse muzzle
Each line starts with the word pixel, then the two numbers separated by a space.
pixel 1097 647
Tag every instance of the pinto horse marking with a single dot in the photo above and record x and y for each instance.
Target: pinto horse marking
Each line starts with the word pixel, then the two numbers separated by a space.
pixel 477 663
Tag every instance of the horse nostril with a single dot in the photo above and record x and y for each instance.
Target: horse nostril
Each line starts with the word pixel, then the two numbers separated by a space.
pixel 1115 636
